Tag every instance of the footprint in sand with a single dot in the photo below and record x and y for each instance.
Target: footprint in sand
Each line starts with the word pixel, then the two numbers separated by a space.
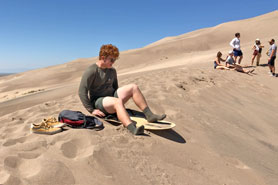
pixel 31 146
pixel 12 180
pixel 77 148
pixel 29 167
pixel 47 169
pixel 69 149
pixel 25 164
pixel 11 142
pixel 11 162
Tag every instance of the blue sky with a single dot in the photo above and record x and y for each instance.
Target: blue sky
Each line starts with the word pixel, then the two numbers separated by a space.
pixel 40 33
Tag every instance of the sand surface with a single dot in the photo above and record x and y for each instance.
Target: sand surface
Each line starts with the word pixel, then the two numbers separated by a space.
pixel 226 121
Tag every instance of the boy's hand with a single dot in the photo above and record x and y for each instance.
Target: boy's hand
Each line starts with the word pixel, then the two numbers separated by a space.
pixel 98 112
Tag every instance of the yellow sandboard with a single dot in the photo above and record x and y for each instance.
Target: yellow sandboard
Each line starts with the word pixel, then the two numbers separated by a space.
pixel 159 125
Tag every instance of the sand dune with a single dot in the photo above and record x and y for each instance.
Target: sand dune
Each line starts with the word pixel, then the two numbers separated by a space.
pixel 226 129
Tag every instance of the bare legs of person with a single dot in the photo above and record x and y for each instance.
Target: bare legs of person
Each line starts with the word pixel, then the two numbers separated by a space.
pixel 258 59
pixel 253 58
pixel 222 67
pixel 272 69
pixel 239 60
pixel 240 69
pixel 112 105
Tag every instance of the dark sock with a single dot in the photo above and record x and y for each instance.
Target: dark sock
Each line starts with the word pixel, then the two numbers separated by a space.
pixel 151 117
pixel 135 130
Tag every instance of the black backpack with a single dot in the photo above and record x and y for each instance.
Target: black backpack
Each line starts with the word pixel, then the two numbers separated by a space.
pixel 77 119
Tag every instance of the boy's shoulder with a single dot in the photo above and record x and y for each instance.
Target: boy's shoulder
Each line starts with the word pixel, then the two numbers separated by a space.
pixel 92 67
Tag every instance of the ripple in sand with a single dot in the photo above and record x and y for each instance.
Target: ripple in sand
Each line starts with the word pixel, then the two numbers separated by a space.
pixel 29 155
pixel 238 164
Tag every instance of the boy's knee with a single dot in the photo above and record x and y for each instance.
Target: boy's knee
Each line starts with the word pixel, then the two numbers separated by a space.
pixel 118 102
pixel 134 87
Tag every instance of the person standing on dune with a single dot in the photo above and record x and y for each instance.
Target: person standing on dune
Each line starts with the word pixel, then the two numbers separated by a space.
pixel 235 43
pixel 257 52
pixel 101 96
pixel 272 56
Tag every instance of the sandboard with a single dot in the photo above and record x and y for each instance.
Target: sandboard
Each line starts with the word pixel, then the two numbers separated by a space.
pixel 113 120
pixel 159 125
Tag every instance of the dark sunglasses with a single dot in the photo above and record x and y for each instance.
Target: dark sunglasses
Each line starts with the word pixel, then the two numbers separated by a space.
pixel 112 60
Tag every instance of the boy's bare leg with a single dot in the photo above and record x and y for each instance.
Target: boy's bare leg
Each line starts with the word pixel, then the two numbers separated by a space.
pixel 133 91
pixel 115 105
pixel 112 105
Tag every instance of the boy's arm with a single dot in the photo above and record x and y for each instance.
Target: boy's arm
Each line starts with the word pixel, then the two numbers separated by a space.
pixel 84 89
pixel 115 83
pixel 232 43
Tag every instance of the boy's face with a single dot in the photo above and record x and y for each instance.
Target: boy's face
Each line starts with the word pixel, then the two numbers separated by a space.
pixel 108 61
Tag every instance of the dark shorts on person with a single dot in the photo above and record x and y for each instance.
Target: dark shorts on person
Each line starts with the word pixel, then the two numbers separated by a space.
pixel 237 53
pixel 215 65
pixel 271 61
pixel 99 103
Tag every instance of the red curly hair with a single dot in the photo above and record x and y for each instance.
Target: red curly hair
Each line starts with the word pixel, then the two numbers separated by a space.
pixel 109 50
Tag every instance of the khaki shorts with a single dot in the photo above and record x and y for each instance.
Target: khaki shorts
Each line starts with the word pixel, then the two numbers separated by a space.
pixel 99 103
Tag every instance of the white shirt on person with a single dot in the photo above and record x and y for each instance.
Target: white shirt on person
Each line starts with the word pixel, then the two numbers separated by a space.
pixel 235 43
pixel 257 47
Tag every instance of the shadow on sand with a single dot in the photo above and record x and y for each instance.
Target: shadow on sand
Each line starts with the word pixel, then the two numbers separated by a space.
pixel 167 134
pixel 263 65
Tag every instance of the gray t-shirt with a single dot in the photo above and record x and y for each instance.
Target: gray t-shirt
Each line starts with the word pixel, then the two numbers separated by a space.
pixel 230 60
pixel 98 83
pixel 272 47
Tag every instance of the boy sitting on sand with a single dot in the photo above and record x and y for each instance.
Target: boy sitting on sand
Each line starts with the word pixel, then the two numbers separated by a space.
pixel 230 63
pixel 100 95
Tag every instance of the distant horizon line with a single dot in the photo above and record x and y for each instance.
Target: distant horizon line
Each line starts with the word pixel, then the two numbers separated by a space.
pixel 15 70
pixel 6 74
